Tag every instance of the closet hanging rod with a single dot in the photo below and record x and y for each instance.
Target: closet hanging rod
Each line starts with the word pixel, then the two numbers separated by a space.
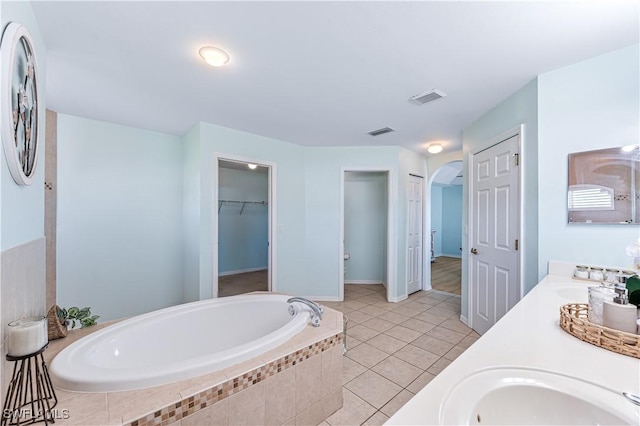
pixel 244 203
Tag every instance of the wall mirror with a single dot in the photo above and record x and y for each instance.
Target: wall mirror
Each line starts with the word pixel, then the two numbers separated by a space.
pixel 604 186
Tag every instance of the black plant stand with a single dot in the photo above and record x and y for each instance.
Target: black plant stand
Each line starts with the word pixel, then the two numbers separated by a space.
pixel 30 397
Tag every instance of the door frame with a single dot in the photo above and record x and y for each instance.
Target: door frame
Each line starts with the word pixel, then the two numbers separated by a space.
pixel 391 253
pixel 516 131
pixel 271 209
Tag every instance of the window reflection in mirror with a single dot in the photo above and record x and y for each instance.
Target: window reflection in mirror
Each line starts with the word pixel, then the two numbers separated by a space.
pixel 604 186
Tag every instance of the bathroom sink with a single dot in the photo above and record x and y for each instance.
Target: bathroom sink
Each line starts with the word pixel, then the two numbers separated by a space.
pixel 521 396
pixel 574 294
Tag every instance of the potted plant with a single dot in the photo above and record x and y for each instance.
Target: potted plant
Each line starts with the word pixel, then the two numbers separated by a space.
pixel 59 319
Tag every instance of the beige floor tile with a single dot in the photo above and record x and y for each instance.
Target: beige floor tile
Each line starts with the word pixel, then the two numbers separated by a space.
pixel 373 388
pixel 366 355
pixel 417 325
pixel 433 344
pixel 398 371
pixel 438 366
pixel 372 310
pixel 396 403
pixel 408 311
pixel 403 333
pixel 361 332
pixel 420 382
pixel 446 334
pixel 394 317
pixel 358 317
pixel 467 341
pixel 352 342
pixel 374 298
pixel 474 334
pixel 385 305
pixel 456 325
pixel 386 343
pixel 351 369
pixel 354 304
pixel 454 353
pixel 376 420
pixel 416 356
pixel 443 312
pixel 431 318
pixel 353 412
pixel 378 324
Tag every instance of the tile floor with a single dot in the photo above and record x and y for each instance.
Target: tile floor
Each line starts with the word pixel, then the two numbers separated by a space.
pixel 394 349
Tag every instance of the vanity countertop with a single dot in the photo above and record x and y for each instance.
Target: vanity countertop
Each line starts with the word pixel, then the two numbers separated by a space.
pixel 529 336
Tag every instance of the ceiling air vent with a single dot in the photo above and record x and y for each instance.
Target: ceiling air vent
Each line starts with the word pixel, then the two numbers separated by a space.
pixel 429 96
pixel 381 131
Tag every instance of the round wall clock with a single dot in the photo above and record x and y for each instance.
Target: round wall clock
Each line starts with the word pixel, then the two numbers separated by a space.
pixel 19 102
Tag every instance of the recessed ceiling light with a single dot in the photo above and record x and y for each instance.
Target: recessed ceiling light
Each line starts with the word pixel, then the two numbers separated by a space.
pixel 214 56
pixel 435 148
pixel 252 166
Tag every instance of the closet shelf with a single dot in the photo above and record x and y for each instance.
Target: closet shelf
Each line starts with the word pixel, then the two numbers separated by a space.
pixel 244 203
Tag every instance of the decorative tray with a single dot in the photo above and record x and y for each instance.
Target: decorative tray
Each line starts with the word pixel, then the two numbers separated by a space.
pixel 573 320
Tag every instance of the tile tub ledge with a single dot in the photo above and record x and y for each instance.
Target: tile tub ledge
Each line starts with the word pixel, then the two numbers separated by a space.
pixel 320 348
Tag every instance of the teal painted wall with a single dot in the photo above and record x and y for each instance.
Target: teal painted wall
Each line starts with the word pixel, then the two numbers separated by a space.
pixel 451 220
pixel 119 241
pixel 365 226
pixel 519 108
pixel 22 207
pixel 590 105
pixel 242 232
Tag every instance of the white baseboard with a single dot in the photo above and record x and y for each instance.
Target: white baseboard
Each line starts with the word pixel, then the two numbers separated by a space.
pixel 464 320
pixel 242 271
pixel 364 282
pixel 397 299
pixel 455 256
pixel 323 298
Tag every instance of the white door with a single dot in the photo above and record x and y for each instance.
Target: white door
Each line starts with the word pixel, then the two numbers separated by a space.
pixel 414 239
pixel 494 259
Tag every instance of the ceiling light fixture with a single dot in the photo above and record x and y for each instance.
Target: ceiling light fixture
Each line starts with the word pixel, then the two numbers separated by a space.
pixel 435 148
pixel 252 166
pixel 629 148
pixel 214 56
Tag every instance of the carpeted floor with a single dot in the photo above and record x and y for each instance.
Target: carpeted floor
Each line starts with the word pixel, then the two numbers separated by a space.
pixel 230 285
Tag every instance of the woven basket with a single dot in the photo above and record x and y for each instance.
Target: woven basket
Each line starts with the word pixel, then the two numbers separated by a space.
pixel 56 327
pixel 573 320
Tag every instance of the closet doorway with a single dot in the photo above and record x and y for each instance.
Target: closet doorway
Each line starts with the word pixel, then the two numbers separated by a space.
pixel 244 231
pixel 446 228
pixel 365 231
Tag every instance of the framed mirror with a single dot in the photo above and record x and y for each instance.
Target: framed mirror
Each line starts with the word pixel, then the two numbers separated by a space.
pixel 604 186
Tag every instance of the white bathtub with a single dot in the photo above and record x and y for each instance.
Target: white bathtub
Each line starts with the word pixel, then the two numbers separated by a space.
pixel 177 343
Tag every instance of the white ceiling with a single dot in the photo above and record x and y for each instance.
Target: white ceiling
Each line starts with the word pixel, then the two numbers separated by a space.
pixel 449 174
pixel 315 73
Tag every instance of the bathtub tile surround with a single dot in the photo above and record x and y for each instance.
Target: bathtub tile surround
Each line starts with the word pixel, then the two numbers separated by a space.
pixel 22 293
pixel 306 371
pixel 384 367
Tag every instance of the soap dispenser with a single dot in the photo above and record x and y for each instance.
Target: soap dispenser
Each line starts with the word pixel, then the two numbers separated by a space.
pixel 619 314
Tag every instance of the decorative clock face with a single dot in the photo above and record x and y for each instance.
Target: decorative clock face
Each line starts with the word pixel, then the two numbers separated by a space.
pixel 20 106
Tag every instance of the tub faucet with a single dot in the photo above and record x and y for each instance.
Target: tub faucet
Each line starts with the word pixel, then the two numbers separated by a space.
pixel 317 309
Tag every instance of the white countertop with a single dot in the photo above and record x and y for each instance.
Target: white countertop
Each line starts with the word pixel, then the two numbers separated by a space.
pixel 529 336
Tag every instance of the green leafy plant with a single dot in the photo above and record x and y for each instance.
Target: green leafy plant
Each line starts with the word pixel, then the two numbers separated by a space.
pixel 75 315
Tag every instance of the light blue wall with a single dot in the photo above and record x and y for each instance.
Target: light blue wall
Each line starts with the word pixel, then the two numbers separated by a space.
pixel 436 217
pixel 451 220
pixel 519 108
pixel 243 238
pixel 191 220
pixel 590 105
pixel 119 240
pixel 200 181
pixel 365 226
pixel 22 207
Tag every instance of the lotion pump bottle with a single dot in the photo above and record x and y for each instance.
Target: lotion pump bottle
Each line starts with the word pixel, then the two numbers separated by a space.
pixel 619 314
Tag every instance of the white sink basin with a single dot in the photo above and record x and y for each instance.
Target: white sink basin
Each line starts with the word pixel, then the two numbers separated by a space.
pixel 520 396
pixel 574 294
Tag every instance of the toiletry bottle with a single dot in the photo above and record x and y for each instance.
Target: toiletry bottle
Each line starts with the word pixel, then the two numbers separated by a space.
pixel 619 314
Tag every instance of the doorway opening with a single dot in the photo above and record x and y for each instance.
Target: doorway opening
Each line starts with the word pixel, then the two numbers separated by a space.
pixel 244 217
pixel 446 228
pixel 365 231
